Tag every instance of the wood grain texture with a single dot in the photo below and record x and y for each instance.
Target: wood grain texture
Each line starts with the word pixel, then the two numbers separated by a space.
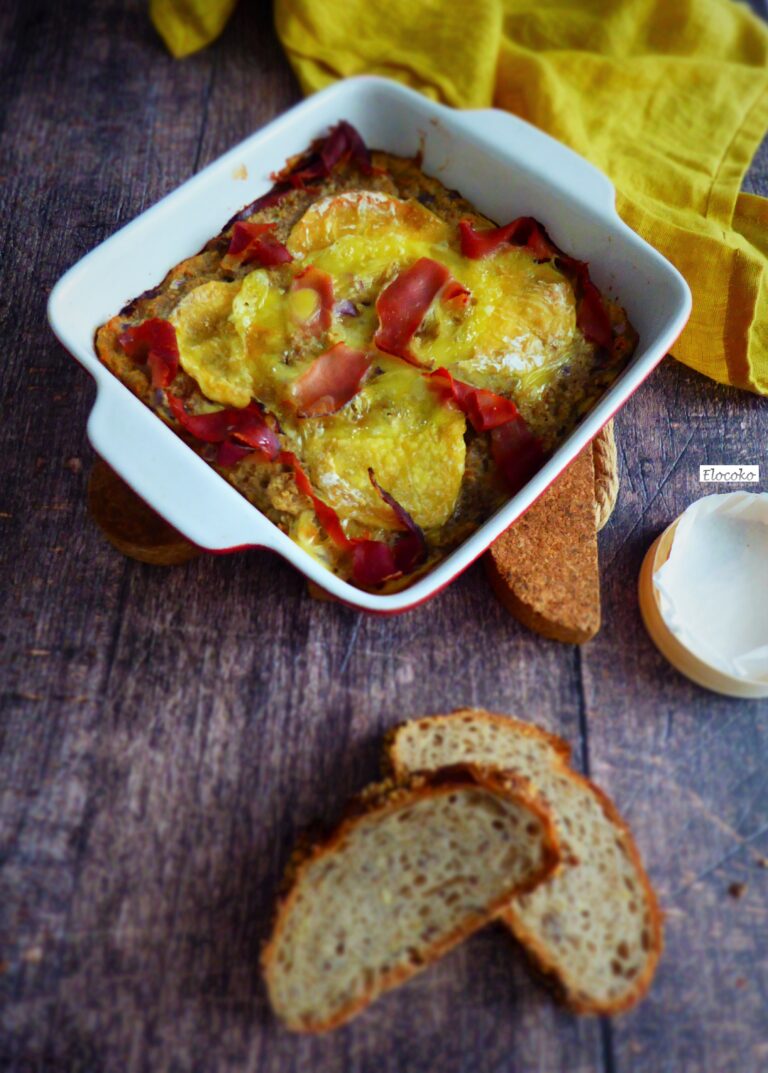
pixel 165 734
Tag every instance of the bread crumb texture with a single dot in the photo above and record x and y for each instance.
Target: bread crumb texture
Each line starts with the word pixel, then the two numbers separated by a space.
pixel 397 885
pixel 544 568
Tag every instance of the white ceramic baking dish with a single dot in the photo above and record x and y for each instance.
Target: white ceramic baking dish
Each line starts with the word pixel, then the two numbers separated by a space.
pixel 501 164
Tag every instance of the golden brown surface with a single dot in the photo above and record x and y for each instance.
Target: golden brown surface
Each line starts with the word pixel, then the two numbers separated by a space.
pixel 606 462
pixel 550 412
pixel 399 883
pixel 544 569
pixel 594 928
pixel 130 525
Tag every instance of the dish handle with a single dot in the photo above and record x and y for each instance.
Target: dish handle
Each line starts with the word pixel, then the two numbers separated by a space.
pixel 584 180
pixel 171 478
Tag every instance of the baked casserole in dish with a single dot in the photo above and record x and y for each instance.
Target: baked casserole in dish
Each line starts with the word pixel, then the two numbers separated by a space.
pixel 335 464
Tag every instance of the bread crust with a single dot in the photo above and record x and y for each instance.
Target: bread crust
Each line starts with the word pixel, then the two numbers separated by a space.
pixel 571 999
pixel 131 526
pixel 393 768
pixel 606 460
pixel 584 379
pixel 534 620
pixel 561 758
pixel 391 797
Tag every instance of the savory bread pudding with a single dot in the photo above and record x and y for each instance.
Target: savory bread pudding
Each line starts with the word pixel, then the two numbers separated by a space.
pixel 371 362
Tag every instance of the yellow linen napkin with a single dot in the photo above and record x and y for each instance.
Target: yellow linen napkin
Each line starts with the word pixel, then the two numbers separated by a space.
pixel 189 25
pixel 668 97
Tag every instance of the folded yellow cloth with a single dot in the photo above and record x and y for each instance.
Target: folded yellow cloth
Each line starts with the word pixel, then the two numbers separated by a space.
pixel 668 97
pixel 189 25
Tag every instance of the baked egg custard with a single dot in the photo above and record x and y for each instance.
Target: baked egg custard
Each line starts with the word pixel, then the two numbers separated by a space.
pixel 371 362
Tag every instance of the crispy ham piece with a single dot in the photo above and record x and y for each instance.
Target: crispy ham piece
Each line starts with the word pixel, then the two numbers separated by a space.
pixel 410 550
pixel 401 306
pixel 330 382
pixel 154 342
pixel 238 431
pixel 229 453
pixel 373 561
pixel 312 279
pixel 524 231
pixel 341 144
pixel 312 166
pixel 253 243
pixel 326 515
pixel 483 408
pixel 592 317
pixel 517 453
pixel 456 293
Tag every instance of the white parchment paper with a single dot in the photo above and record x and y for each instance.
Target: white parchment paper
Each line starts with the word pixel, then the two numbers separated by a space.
pixel 713 589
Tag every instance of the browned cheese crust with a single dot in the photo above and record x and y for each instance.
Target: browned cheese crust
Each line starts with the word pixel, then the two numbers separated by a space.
pixel 271 486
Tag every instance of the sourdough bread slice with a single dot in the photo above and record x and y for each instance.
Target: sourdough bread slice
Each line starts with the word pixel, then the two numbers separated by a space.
pixel 594 926
pixel 130 525
pixel 409 874
pixel 544 568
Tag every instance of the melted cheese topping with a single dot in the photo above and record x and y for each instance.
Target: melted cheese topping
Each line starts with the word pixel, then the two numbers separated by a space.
pixel 250 339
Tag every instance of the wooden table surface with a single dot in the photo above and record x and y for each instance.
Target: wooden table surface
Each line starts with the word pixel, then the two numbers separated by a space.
pixel 166 732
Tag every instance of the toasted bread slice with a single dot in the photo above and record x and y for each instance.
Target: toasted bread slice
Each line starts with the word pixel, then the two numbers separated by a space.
pixel 595 925
pixel 130 525
pixel 544 568
pixel 399 883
